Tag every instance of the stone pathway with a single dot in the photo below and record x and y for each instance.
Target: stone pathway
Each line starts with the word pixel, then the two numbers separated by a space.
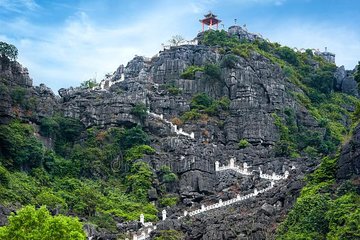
pixel 148 227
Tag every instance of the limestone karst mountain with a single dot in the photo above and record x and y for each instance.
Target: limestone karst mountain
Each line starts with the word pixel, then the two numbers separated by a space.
pixel 159 128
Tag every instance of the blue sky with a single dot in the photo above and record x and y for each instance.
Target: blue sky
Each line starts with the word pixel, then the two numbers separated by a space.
pixel 64 43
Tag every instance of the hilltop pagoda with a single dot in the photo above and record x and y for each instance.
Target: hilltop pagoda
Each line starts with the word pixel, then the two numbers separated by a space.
pixel 210 20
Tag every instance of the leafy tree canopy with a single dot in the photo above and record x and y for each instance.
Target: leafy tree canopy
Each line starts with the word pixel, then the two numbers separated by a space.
pixel 31 223
pixel 8 50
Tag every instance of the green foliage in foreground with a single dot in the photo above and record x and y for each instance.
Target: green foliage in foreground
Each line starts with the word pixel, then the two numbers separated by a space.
pixel 322 213
pixel 31 223
pixel 96 178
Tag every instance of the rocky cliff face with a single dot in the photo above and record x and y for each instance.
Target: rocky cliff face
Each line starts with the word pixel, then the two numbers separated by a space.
pixel 349 161
pixel 256 88
pixel 18 98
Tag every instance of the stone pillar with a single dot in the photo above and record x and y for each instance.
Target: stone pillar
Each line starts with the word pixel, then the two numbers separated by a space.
pixel 217 166
pixel 286 174
pixel 163 214
pixel 238 197
pixel 149 230
pixel 192 135
pixel 135 237
pixel 142 220
pixel 220 202
pixel 272 184
pixel 232 162
pixel 245 166
pixel 122 77
pixel 202 207
pixel 161 116
pixel 185 213
pixel 255 191
pixel 273 176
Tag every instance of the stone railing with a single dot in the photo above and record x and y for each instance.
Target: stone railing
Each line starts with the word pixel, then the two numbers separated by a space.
pixel 221 203
pixel 244 170
pixel 174 128
pixel 181 43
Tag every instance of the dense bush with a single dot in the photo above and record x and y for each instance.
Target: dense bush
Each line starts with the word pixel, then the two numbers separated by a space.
pixel 212 72
pixel 229 61
pixel 140 111
pixel 134 136
pixel 288 55
pixel 31 223
pixel 20 149
pixel 17 94
pixel 168 201
pixel 8 50
pixel 166 175
pixel 189 72
pixel 139 180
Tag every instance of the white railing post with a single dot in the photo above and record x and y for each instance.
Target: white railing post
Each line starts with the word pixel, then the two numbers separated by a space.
pixel 232 162
pixel 217 166
pixel 163 214
pixel 142 219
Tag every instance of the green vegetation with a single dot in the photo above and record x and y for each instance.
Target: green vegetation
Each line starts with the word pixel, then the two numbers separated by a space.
pixel 168 201
pixel 166 175
pixel 202 104
pixel 243 143
pixel 173 90
pixel 212 72
pixel 8 50
pixel 357 75
pixel 189 72
pixel 169 235
pixel 31 223
pixel 322 213
pixel 92 173
pixel 20 149
pixel 88 84
pixel 140 111
pixel 18 95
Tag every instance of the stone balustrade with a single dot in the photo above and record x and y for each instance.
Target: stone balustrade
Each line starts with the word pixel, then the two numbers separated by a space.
pixel 221 203
pixel 174 128
pixel 245 170
pixel 147 228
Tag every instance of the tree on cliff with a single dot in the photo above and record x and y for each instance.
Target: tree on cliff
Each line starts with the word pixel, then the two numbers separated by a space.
pixel 176 40
pixel 31 223
pixel 8 50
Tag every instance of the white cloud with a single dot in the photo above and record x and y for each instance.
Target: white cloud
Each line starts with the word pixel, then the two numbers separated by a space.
pixel 81 48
